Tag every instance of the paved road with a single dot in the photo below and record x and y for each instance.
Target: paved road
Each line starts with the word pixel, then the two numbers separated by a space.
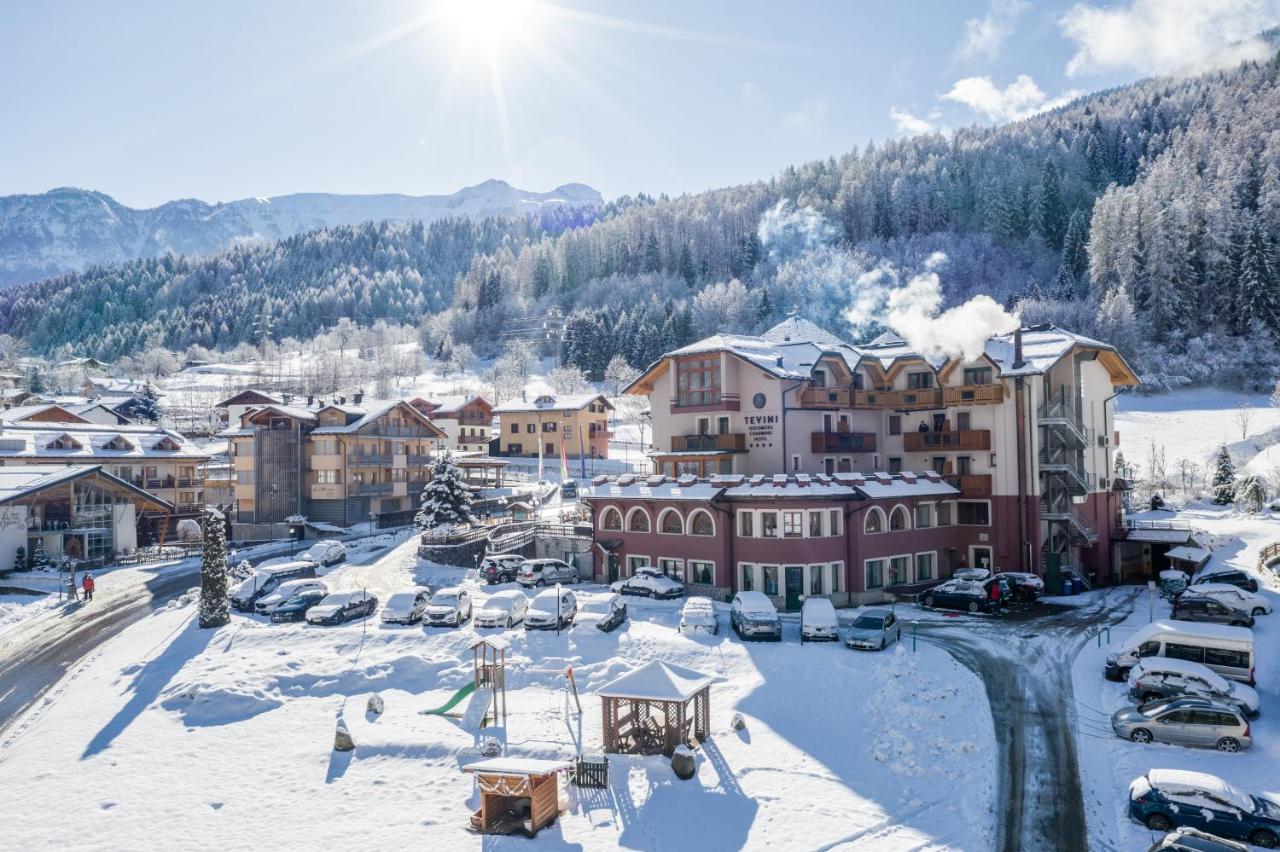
pixel 1024 660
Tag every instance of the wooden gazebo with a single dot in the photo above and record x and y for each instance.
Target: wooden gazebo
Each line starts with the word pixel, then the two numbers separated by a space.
pixel 655 708
pixel 517 794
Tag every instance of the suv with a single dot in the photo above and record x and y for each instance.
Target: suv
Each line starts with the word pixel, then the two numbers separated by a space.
pixel 327 551
pixel 500 568
pixel 1190 607
pixel 753 616
pixel 1233 576
pixel 1166 798
pixel 545 572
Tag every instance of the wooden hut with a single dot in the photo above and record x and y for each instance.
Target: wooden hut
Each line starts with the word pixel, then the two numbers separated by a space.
pixel 655 708
pixel 517 794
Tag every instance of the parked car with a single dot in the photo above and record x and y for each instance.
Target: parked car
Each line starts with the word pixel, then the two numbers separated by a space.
pixel 327 551
pixel 818 621
pixel 545 572
pixel 649 582
pixel 296 608
pixel 607 610
pixel 282 592
pixel 978 574
pixel 449 607
pixel 968 595
pixel 753 616
pixel 1192 607
pixel 1024 587
pixel 406 607
pixel 502 609
pixel 698 615
pixel 873 630
pixel 1224 649
pixel 1190 840
pixel 1159 677
pixel 569 488
pixel 1168 798
pixel 500 568
pixel 340 607
pixel 548 606
pixel 1184 721
pixel 264 581
pixel 1230 576
pixel 1235 597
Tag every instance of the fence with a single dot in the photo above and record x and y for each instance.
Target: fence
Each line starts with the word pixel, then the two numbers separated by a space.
pixel 591 770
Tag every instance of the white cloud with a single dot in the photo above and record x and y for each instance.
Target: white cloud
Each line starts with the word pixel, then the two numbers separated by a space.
pixel 983 37
pixel 809 115
pixel 751 94
pixel 1167 36
pixel 910 124
pixel 1019 99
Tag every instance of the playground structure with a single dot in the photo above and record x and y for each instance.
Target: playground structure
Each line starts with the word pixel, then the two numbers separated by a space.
pixel 655 708
pixel 488 686
pixel 516 794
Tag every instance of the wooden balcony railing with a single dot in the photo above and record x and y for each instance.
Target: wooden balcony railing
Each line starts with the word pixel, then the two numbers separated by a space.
pixel 815 397
pixel 913 399
pixel 733 442
pixel 974 394
pixel 959 439
pixel 843 442
pixel 971 484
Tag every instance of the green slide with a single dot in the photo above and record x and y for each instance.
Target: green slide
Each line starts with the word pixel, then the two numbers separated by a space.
pixel 452 702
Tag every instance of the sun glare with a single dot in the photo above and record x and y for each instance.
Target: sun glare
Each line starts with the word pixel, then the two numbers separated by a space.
pixel 490 24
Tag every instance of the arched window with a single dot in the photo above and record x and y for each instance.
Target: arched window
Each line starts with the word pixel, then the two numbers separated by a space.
pixel 638 520
pixel 611 520
pixel 899 519
pixel 700 523
pixel 670 522
pixel 875 521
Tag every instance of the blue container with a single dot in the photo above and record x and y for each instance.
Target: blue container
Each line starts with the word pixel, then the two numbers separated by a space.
pixel 1067 588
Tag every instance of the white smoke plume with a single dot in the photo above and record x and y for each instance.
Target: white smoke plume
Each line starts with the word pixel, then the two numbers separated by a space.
pixel 786 231
pixel 913 310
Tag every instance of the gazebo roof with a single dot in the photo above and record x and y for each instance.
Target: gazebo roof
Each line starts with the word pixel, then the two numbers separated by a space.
pixel 496 642
pixel 516 766
pixel 657 681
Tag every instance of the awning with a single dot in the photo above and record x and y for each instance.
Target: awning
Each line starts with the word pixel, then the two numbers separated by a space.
pixel 1198 555
pixel 609 545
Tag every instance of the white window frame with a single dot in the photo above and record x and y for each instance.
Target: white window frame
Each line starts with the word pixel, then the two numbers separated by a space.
pixel 689 575
pixel 779 581
pixel 626 520
pixel 906 512
pixel 884 521
pixel 755 526
pixel 634 558
pixel 835 514
pixel 822 523
pixel 915 566
pixel 783 525
pixel 777 523
pixel 688 523
pixel 755 576
pixel 835 577
pixel 951 510
pixel 973 558
pixel 933 515
pixel 866 572
pixel 911 568
pixel 667 511
pixel 957 514
pixel 679 566
pixel 821 569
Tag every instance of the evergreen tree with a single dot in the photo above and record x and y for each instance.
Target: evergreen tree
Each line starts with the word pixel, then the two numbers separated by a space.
pixel 215 602
pixel 1224 477
pixel 1051 209
pixel 446 499
pixel 39 559
pixel 148 409
pixel 1073 272
pixel 1257 279
pixel 1251 492
pixel 35 381
pixel 687 270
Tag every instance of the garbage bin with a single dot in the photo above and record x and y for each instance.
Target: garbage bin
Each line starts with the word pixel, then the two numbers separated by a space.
pixel 1067 587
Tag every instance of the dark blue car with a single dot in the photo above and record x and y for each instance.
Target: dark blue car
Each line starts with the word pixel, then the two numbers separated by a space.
pixel 1171 798
pixel 295 609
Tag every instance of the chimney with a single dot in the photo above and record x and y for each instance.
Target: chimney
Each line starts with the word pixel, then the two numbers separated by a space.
pixel 342 400
pixel 311 400
pixel 1017 348
pixel 286 398
pixel 357 397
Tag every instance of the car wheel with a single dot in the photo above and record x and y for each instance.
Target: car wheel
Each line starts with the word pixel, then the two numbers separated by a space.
pixel 1259 611
pixel 1148 697
pixel 928 601
pixel 973 607
pixel 1159 822
pixel 1263 838
pixel 883 642
pixel 1229 745
pixel 1141 735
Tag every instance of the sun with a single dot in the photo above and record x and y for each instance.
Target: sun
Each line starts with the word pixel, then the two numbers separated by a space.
pixel 491 25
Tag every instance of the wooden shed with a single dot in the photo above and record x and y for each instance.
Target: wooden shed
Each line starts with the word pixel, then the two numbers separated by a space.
pixel 655 708
pixel 518 795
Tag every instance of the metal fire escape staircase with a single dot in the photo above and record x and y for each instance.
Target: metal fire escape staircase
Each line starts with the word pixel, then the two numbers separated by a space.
pixel 1062 444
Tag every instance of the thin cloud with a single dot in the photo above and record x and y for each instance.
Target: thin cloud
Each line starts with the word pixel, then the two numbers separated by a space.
pixel 983 37
pixel 1019 99
pixel 910 124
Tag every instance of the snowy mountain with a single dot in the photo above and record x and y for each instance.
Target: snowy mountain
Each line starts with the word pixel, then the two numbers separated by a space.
pixel 67 229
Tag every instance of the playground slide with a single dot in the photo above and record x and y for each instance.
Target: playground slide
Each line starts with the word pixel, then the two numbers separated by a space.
pixel 452 702
pixel 473 719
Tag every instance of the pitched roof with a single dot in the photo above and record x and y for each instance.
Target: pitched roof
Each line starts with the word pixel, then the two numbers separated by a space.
pixel 21 480
pixel 26 412
pixel 657 680
pixel 251 397
pixel 561 402
pixel 369 412
pixel 31 440
pixel 443 406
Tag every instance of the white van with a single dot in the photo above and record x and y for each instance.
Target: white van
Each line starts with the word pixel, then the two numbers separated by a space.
pixel 1224 649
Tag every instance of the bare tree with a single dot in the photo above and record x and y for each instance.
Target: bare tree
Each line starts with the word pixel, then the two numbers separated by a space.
pixel 618 374
pixel 567 379
pixel 1243 416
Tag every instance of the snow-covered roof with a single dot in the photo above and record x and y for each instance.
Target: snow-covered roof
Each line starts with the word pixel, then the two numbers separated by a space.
pixel 649 487
pixel 549 402
pixel 656 680
pixel 498 643
pixel 444 406
pixel 32 440
pixel 26 412
pixel 1189 554
pixel 1185 781
pixel 1174 665
pixel 516 766
pixel 884 487
pixel 18 481
pixel 1207 630
pixel 797 328
pixel 877 486
pixel 1158 535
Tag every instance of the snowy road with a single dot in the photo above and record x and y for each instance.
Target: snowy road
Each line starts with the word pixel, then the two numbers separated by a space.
pixel 1024 659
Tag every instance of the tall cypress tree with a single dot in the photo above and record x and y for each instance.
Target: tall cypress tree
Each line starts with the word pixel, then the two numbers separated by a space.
pixel 215 604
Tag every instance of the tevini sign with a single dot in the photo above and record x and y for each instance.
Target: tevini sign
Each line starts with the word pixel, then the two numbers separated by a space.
pixel 760 429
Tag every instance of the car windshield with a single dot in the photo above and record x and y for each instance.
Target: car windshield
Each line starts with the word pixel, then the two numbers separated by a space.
pixel 1152 708
pixel 869 622
pixel 400 599
pixel 596 606
pixel 445 599
pixel 305 597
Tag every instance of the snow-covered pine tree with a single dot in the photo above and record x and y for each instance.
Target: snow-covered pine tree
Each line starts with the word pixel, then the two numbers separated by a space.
pixel 148 409
pixel 215 603
pixel 39 559
pixel 446 499
pixel 1224 477
pixel 1251 493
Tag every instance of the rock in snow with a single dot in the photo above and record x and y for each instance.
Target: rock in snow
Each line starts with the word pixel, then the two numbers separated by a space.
pixel 342 738
pixel 375 703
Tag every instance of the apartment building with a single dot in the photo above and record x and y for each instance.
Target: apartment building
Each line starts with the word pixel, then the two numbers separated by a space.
pixel 577 422
pixel 330 462
pixel 1024 431
pixel 467 421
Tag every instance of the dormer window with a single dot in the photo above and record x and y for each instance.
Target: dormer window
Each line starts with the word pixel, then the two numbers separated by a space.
pixel 65 442
pixel 166 443
pixel 919 381
pixel 819 378
pixel 118 442
pixel 858 382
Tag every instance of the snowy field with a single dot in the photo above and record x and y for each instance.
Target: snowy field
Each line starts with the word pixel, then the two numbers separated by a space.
pixel 171 734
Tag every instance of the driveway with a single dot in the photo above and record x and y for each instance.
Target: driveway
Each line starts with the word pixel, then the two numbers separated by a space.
pixel 1024 659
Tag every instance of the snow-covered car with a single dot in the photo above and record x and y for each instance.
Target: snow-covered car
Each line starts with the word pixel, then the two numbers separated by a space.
pixel 264 581
pixel 873 630
pixel 606 611
pixel 698 615
pixel 500 568
pixel 449 607
pixel 1194 607
pixel 295 609
pixel 649 582
pixel 340 607
pixel 1167 798
pixel 1154 678
pixel 405 607
pixel 551 609
pixel 325 552
pixel 502 609
pixel 545 572
pixel 958 594
pixel 1224 574
pixel 818 621
pixel 753 616
pixel 1024 586
pixel 976 574
pixel 1187 839
pixel 265 604
pixel 1234 597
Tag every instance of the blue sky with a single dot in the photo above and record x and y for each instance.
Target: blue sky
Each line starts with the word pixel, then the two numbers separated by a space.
pixel 150 101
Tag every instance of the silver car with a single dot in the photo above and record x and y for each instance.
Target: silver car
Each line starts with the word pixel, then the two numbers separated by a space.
pixel 873 630
pixel 1185 721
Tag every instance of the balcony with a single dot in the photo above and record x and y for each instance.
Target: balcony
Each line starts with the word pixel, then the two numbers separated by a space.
pixel 974 395
pixel 369 459
pixel 971 484
pixel 910 400
pixel 843 442
pixel 733 442
pixel 371 489
pixel 959 439
pixel 419 459
pixel 816 397
pixel 690 402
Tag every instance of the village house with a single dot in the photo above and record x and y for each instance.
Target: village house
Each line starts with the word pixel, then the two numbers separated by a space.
pixel 467 421
pixel 577 422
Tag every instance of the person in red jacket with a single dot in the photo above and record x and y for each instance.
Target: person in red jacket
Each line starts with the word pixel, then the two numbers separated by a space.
pixel 88 586
pixel 993 591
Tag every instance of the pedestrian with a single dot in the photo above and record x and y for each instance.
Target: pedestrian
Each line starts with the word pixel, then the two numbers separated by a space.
pixel 993 589
pixel 88 586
